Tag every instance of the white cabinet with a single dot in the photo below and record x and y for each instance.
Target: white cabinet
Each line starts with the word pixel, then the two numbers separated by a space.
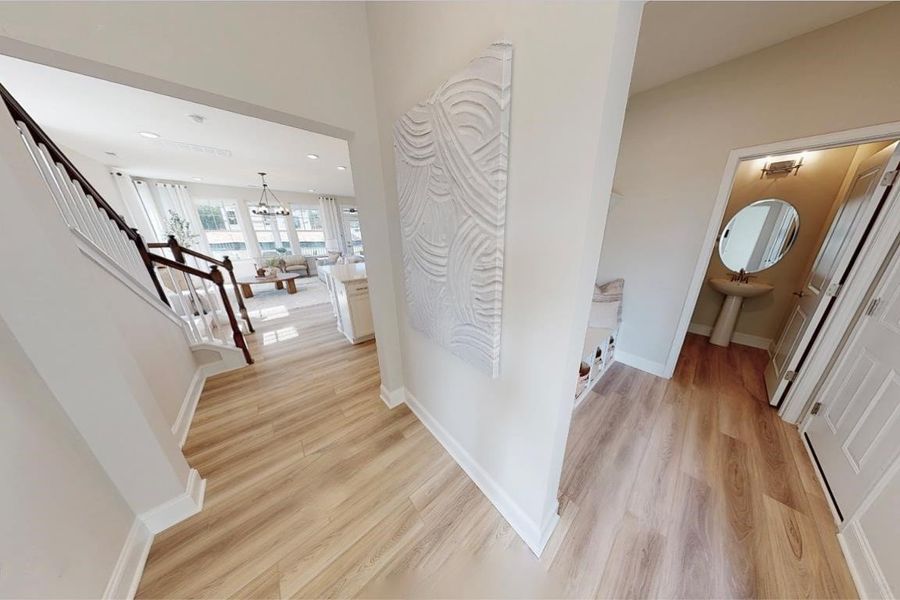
pixel 349 291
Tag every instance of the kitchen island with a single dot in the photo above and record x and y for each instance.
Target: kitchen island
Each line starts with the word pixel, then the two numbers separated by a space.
pixel 348 288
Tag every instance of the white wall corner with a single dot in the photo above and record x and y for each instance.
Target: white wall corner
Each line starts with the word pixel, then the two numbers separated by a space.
pixel 534 534
pixel 393 398
pixel 126 575
pixel 744 339
pixel 188 406
pixel 186 504
pixel 648 366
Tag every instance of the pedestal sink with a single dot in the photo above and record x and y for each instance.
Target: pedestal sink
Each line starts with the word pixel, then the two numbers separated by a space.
pixel 735 292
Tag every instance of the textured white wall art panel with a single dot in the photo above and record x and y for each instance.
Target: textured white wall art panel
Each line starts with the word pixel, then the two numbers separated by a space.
pixel 451 155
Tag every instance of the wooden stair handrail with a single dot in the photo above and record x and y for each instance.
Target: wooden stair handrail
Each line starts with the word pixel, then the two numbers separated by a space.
pixel 216 277
pixel 19 114
pixel 178 251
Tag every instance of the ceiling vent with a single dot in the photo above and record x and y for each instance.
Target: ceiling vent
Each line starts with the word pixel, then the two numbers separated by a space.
pixel 187 147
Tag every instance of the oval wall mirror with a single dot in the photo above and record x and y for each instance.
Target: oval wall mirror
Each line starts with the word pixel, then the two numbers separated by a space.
pixel 759 235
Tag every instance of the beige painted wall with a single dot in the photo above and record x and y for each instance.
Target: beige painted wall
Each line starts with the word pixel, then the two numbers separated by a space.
pixel 677 138
pixel 813 191
pixel 62 521
pixel 571 63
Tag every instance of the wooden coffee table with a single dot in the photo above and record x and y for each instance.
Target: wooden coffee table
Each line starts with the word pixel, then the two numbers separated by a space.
pixel 281 281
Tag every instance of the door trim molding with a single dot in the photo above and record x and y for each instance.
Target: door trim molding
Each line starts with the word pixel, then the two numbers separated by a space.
pixel 794 404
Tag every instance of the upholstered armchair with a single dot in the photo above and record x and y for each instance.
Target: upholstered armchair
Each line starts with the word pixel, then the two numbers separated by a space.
pixel 294 264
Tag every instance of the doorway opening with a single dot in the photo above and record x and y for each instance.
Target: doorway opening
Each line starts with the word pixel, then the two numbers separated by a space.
pixel 794 225
pixel 272 204
pixel 793 296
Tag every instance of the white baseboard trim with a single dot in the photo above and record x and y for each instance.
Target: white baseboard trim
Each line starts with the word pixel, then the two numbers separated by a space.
pixel 744 339
pixel 228 362
pixel 648 366
pixel 126 575
pixel 533 534
pixel 864 570
pixel 867 575
pixel 186 504
pixel 188 406
pixel 393 398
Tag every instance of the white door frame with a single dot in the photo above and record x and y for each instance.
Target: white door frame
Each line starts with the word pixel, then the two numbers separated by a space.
pixel 794 404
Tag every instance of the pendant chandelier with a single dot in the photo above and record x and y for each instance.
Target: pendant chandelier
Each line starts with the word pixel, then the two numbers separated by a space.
pixel 268 205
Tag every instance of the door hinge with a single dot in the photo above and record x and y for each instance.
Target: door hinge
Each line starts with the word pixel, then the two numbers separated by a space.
pixel 815 409
pixel 790 376
pixel 889 177
pixel 833 290
pixel 873 305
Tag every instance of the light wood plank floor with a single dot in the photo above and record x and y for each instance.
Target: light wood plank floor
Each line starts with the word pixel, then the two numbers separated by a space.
pixel 685 488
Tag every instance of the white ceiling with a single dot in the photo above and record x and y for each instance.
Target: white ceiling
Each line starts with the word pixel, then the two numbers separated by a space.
pixel 94 117
pixel 680 38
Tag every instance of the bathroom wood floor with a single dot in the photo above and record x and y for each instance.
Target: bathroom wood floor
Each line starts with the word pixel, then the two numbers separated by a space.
pixel 685 488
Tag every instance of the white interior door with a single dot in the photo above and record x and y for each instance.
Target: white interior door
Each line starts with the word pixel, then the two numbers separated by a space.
pixel 834 260
pixel 856 433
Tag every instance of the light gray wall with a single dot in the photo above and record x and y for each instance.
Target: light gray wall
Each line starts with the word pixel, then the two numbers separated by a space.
pixel 62 521
pixel 317 75
pixel 677 138
pixel 159 344
pixel 571 70
pixel 571 64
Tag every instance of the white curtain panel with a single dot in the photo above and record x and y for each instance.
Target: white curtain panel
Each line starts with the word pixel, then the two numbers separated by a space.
pixel 331 223
pixel 151 211
pixel 176 197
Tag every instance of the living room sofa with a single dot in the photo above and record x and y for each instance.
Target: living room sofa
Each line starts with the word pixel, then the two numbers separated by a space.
pixel 291 263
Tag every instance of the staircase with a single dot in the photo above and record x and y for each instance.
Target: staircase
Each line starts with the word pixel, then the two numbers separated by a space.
pixel 182 282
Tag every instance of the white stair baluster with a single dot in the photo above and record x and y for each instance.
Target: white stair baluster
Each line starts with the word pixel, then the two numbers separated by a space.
pixel 82 223
pixel 91 227
pixel 100 219
pixel 45 172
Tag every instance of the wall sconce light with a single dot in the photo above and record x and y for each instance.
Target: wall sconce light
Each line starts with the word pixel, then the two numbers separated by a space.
pixel 781 167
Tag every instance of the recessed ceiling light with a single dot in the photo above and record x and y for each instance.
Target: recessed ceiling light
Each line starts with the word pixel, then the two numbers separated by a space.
pixel 197 118
pixel 197 179
pixel 312 156
pixel 311 191
pixel 342 168
pixel 148 134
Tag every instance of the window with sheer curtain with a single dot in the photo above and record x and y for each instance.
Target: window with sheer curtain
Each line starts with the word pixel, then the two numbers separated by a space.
pixel 219 220
pixel 308 224
pixel 265 234
pixel 354 233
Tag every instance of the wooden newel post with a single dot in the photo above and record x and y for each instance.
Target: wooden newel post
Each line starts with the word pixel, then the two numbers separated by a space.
pixel 226 262
pixel 237 336
pixel 175 247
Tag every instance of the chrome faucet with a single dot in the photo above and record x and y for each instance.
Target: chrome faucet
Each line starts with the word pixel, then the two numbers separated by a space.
pixel 741 277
